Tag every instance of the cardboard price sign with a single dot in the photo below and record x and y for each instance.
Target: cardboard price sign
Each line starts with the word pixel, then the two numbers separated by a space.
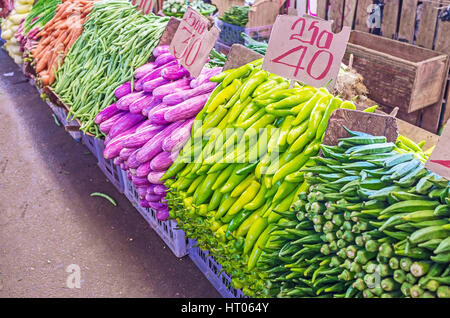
pixel 193 42
pixel 145 5
pixel 306 50
pixel 439 161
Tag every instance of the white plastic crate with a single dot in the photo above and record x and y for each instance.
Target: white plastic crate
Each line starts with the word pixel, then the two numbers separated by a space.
pixel 111 171
pixel 168 230
pixel 213 271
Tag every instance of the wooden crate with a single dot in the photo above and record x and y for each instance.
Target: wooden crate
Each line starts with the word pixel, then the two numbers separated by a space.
pixel 397 74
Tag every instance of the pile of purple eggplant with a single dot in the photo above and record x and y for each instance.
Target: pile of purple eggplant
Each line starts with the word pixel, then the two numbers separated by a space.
pixel 151 121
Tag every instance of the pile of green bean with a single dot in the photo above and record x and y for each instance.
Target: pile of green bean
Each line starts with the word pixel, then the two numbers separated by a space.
pixel 116 40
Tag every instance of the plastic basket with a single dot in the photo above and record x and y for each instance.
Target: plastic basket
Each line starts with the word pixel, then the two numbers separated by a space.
pixel 91 144
pixel 168 230
pixel 230 34
pixel 212 270
pixel 61 115
pixel 111 171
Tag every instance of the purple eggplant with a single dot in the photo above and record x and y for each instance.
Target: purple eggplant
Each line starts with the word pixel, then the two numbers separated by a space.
pixel 123 90
pixel 155 177
pixel 114 146
pixel 157 116
pixel 107 124
pixel 125 153
pixel 162 161
pixel 162 214
pixel 179 97
pixel 178 137
pixel 143 170
pixel 160 189
pixel 123 166
pixel 154 145
pixel 152 197
pixel 174 72
pixel 141 191
pixel 144 69
pixel 132 161
pixel 158 205
pixel 139 138
pixel 117 161
pixel 137 106
pixel 140 181
pixel 151 85
pixel 205 75
pixel 187 109
pixel 164 58
pixel 170 88
pixel 124 123
pixel 153 74
pixel 155 102
pixel 106 114
pixel 144 203
pixel 125 102
pixel 160 49
pixel 151 188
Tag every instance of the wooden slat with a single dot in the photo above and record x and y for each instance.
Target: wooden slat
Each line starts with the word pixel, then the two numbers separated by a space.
pixel 336 13
pixel 432 115
pixel 446 116
pixel 389 22
pixel 362 15
pixel 322 6
pixel 443 37
pixel 427 25
pixel 407 20
pixel 349 12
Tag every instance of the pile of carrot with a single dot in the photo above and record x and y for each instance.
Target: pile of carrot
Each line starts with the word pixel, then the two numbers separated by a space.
pixel 58 36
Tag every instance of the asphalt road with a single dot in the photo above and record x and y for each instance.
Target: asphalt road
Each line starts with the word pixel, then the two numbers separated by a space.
pixel 48 221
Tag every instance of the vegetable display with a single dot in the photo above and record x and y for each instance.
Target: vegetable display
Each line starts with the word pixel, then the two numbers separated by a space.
pixel 116 40
pixel 226 199
pixel 40 14
pixel 236 15
pixel 178 7
pixel 11 24
pixel 151 122
pixel 372 223
pixel 58 36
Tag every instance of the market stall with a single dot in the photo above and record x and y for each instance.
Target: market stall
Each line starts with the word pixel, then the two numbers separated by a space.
pixel 273 186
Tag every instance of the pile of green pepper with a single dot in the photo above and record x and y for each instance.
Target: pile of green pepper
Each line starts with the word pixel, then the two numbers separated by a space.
pixel 227 199
pixel 373 223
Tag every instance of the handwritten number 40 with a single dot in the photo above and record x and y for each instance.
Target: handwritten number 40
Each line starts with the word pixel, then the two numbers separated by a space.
pixel 322 41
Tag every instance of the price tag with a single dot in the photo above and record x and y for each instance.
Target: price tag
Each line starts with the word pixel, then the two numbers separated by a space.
pixel 145 5
pixel 306 50
pixel 439 161
pixel 193 42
